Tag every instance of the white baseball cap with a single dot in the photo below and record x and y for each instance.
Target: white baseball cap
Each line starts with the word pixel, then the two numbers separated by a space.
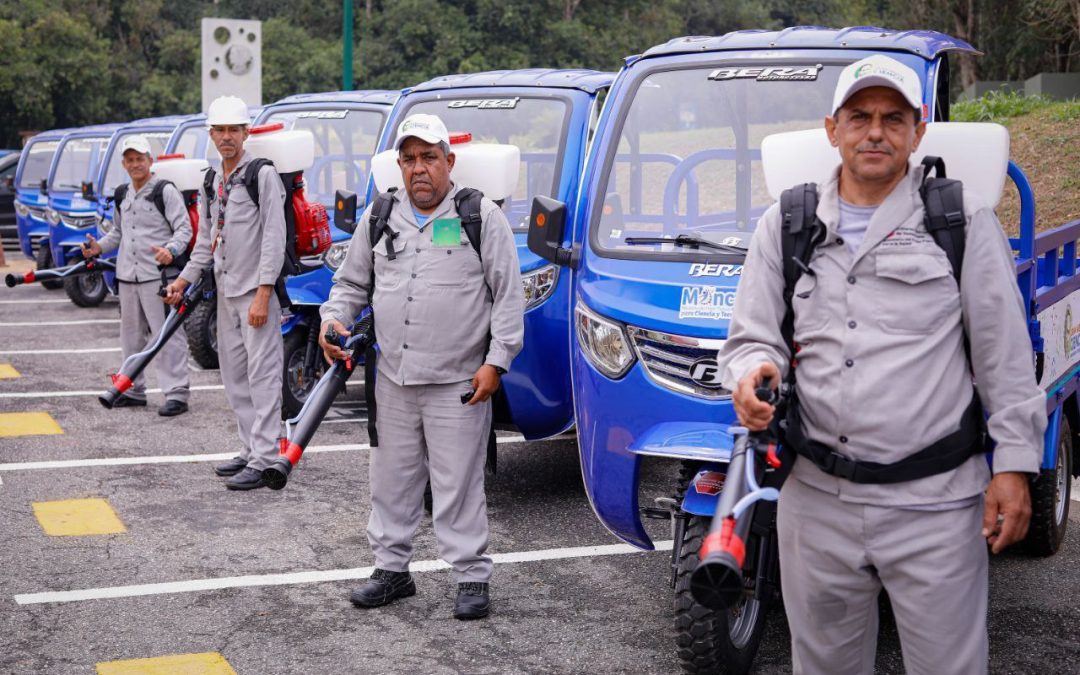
pixel 428 128
pixel 227 111
pixel 136 142
pixel 878 71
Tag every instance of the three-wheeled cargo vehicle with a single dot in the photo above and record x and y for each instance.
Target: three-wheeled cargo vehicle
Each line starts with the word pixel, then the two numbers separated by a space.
pixel 32 200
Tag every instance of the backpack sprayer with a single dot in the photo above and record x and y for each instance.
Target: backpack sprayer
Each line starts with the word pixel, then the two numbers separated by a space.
pixel 717 583
pixel 87 266
pixel 300 429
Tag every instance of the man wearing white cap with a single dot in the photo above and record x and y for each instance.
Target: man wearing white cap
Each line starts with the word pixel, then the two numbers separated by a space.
pixel 891 488
pixel 147 238
pixel 245 242
pixel 449 320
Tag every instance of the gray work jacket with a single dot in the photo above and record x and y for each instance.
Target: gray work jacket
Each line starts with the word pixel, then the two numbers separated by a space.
pixel 251 249
pixel 881 365
pixel 440 312
pixel 138 226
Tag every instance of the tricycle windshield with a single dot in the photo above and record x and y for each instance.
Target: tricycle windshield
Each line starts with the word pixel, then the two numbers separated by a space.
pixel 688 157
pixel 344 142
pixel 194 137
pixel 38 159
pixel 78 162
pixel 116 174
pixel 536 126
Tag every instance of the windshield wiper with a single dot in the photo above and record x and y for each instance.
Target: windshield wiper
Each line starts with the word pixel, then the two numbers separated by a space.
pixel 689 242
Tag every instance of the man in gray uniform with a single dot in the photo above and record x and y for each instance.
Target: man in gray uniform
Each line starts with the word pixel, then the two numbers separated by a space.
pixel 245 242
pixel 879 320
pixel 448 323
pixel 146 239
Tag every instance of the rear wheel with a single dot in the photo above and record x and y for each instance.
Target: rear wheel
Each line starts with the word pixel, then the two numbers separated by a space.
pixel 711 641
pixel 201 329
pixel 295 386
pixel 44 261
pixel 86 290
pixel 1050 493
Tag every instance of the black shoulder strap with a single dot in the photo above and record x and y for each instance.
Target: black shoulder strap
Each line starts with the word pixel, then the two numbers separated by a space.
pixel 157 196
pixel 379 222
pixel 119 193
pixel 943 208
pixel 800 233
pixel 208 189
pixel 467 203
pixel 251 177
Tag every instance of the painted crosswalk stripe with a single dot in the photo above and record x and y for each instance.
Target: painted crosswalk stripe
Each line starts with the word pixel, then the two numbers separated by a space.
pixel 8 372
pixel 315 576
pixel 28 424
pixel 186 459
pixel 78 518
pixel 208 663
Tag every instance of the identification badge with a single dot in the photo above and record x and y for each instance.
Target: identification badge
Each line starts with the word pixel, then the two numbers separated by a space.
pixel 446 232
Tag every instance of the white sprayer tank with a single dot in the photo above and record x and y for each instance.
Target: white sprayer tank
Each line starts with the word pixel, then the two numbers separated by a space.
pixel 185 174
pixel 491 168
pixel 290 151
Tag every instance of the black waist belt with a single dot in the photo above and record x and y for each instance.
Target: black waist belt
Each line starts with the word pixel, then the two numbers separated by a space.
pixel 941 456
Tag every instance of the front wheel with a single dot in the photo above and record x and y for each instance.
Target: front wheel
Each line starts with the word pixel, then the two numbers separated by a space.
pixel 1050 493
pixel 86 290
pixel 201 329
pixel 43 261
pixel 296 386
pixel 712 641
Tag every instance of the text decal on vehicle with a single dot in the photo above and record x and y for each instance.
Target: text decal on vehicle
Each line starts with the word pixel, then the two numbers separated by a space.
pixel 485 103
pixel 715 270
pixel 323 115
pixel 768 73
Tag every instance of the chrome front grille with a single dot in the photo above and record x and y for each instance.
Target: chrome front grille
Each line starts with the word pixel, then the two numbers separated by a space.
pixel 78 222
pixel 37 212
pixel 668 360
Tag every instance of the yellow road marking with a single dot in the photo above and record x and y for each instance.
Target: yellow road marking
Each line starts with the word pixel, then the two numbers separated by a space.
pixel 28 424
pixel 209 663
pixel 77 517
pixel 8 372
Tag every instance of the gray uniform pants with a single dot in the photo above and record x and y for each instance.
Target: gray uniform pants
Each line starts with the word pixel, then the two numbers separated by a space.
pixel 251 369
pixel 141 314
pixel 835 558
pixel 424 430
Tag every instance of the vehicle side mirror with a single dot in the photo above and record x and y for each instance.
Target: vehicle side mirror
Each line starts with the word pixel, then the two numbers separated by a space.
pixel 9 182
pixel 345 211
pixel 88 191
pixel 44 186
pixel 547 223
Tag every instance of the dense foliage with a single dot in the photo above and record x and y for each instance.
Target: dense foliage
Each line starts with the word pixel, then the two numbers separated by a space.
pixel 75 62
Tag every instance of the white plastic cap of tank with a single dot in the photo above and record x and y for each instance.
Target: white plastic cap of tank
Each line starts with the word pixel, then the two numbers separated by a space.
pixel 227 110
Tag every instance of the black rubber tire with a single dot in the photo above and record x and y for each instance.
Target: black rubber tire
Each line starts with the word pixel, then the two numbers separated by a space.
pixel 201 329
pixel 703 636
pixel 43 261
pixel 1050 494
pixel 293 392
pixel 86 290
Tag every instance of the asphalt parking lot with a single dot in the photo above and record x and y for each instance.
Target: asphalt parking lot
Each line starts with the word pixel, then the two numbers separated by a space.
pixel 260 581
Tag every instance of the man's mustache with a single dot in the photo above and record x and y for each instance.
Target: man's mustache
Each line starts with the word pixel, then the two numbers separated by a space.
pixel 875 147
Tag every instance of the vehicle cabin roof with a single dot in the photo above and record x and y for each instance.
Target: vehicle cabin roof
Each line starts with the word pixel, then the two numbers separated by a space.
pixel 586 80
pixel 51 135
pixel 925 43
pixel 165 121
pixel 94 130
pixel 376 96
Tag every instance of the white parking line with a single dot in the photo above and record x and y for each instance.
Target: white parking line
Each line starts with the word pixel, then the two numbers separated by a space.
pixel 98 392
pixel 34 302
pixel 183 459
pixel 98 350
pixel 23 324
pixel 315 576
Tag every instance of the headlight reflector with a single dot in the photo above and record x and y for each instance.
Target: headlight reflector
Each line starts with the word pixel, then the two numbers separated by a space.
pixel 335 255
pixel 539 284
pixel 52 216
pixel 603 341
pixel 22 209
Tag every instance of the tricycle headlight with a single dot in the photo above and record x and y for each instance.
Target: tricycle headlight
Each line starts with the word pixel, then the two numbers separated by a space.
pixel 22 209
pixel 539 284
pixel 603 341
pixel 335 255
pixel 52 216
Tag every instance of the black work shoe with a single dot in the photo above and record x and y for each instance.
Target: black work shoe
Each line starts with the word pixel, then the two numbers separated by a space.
pixel 383 588
pixel 126 401
pixel 247 479
pixel 472 601
pixel 231 467
pixel 172 408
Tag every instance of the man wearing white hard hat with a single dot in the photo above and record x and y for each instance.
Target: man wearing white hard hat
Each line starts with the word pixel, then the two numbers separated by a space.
pixel 151 228
pixel 245 243
pixel 449 318
pixel 891 488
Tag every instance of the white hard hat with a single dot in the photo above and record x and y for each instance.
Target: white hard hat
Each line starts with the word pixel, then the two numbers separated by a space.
pixel 428 128
pixel 136 142
pixel 878 71
pixel 227 110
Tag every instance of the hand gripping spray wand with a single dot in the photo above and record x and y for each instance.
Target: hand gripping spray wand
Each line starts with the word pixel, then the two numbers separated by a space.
pixel 300 429
pixel 717 583
pixel 136 363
